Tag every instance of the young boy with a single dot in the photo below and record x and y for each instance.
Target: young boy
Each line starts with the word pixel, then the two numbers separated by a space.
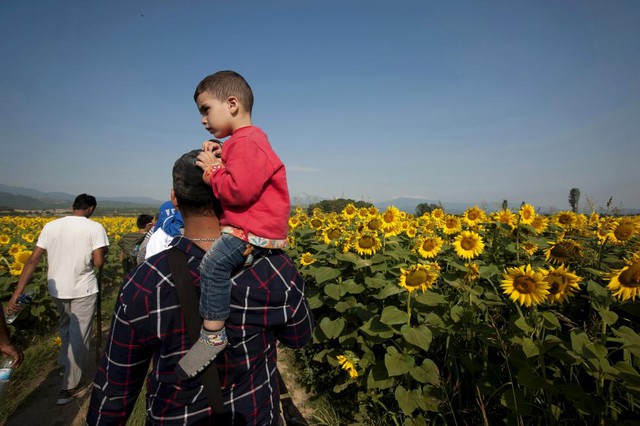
pixel 251 184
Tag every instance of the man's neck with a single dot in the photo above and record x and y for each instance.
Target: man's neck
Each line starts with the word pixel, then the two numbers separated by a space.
pixel 201 227
pixel 83 213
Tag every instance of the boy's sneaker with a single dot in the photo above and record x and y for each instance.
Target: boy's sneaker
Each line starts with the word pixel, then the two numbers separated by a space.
pixel 67 395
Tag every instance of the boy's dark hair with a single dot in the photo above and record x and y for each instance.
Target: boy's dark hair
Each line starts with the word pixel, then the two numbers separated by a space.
pixel 224 84
pixel 84 201
pixel 143 220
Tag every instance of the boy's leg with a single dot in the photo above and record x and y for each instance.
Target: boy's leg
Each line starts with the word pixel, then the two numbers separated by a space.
pixel 219 263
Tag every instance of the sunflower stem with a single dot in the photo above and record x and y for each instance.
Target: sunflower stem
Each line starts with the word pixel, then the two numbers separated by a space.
pixel 409 308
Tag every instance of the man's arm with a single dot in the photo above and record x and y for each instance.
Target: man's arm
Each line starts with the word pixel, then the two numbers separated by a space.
pixel 6 347
pixel 99 255
pixel 25 276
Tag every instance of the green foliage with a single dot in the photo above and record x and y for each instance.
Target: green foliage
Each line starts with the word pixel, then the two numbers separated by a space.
pixel 335 205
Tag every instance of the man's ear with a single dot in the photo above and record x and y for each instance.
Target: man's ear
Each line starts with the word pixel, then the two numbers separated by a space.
pixel 174 200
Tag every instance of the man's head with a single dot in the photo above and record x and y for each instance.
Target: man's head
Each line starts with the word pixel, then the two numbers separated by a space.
pixel 191 194
pixel 144 221
pixel 225 101
pixel 85 204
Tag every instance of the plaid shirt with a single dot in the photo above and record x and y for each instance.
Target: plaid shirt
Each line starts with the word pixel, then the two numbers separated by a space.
pixel 267 304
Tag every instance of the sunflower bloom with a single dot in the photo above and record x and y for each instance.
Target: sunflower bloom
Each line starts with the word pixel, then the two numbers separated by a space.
pixel 438 215
pixel 390 221
pixel 419 277
pixel 16 248
pixel 468 244
pixel 4 239
pixel 294 222
pixel 623 230
pixel 563 284
pixel 451 225
pixel 473 272
pixel 57 341
pixel 316 223
pixel 23 256
pixel 307 259
pixel 348 363
pixel 540 223
pixel 474 216
pixel 349 212
pixel 529 247
pixel 625 282
pixel 428 246
pixel 566 220
pixel 505 217
pixel 332 234
pixel 525 286
pixel 28 237
pixel 527 214
pixel 367 243
pixel 16 268
pixel 563 251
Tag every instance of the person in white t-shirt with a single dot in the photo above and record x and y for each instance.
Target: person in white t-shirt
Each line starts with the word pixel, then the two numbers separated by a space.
pixel 75 245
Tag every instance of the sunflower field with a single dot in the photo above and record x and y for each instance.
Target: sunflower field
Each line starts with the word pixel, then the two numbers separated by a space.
pixel 509 317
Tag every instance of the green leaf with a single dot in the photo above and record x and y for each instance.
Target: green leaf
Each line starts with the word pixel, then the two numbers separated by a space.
pixel 514 400
pixel 346 303
pixel 550 321
pixel 528 379
pixel 426 373
pixel 631 340
pixel 377 281
pixel 348 257
pixel 315 302
pixel 418 336
pixel 334 291
pixel 608 316
pixel 375 328
pixel 430 298
pixel 332 329
pixel 325 274
pixel 397 363
pixel 406 400
pixel 351 287
pixel 456 313
pixel 523 325
pixel 489 271
pixel 388 290
pixel 378 378
pixel 392 316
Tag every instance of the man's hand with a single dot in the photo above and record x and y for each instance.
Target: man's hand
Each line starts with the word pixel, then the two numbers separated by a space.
pixel 213 146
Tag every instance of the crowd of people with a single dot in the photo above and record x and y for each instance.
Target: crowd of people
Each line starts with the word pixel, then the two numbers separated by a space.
pixel 223 233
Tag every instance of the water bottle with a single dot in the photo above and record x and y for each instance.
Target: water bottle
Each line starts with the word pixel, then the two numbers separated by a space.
pixel 5 372
pixel 23 300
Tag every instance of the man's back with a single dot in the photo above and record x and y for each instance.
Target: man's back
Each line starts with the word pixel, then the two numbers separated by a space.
pixel 69 242
pixel 267 304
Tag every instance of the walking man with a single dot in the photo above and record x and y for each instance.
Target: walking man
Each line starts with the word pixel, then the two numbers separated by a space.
pixel 75 245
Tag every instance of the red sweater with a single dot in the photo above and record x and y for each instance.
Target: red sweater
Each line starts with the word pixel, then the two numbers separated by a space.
pixel 252 187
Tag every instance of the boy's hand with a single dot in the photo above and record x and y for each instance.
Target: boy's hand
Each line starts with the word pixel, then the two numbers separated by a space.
pixel 208 162
pixel 213 146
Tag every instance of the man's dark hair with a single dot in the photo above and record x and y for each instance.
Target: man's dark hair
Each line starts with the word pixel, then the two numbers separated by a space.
pixel 224 84
pixel 84 201
pixel 143 220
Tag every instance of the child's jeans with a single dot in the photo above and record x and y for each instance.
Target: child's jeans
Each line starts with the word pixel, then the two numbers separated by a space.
pixel 222 260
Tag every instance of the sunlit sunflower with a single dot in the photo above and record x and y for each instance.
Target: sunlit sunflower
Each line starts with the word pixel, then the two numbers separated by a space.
pixel 291 241
pixel 307 259
pixel 623 230
pixel 563 251
pixel 294 222
pixel 349 212
pixel 540 223
pixel 57 341
pixel 411 231
pixel 594 219
pixel 390 221
pixel 373 211
pixel 451 225
pixel 473 216
pixel 438 214
pixel 16 268
pixel 367 243
pixel 563 284
pixel 316 223
pixel 22 256
pixel 348 362
pixel 468 244
pixel 16 248
pixel 4 239
pixel 527 214
pixel 28 237
pixel 506 217
pixel 473 272
pixel 529 247
pixel 565 220
pixel 625 282
pixel 419 277
pixel 363 213
pixel 524 285
pixel 428 246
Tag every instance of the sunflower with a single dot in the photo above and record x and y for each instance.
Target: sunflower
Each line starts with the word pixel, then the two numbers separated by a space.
pixel 16 268
pixel 438 214
pixel 468 244
pixel 367 243
pixel 563 251
pixel 540 223
pixel 625 282
pixel 294 222
pixel 623 230
pixel 4 239
pixel 411 231
pixel 524 285
pixel 506 217
pixel 419 277
pixel 428 246
pixel 566 220
pixel 349 212
pixel 332 234
pixel 527 214
pixel 16 248
pixel 563 284
pixel 473 272
pixel 363 213
pixel 22 256
pixel 451 225
pixel 390 221
pixel 316 223
pixel 529 247
pixel 473 216
pixel 307 259
pixel 57 341
pixel 348 362
pixel 373 211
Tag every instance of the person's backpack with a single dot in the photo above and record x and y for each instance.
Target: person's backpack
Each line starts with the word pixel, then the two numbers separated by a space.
pixel 130 245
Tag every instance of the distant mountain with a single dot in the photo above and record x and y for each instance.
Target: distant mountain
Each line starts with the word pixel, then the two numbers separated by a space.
pixel 12 197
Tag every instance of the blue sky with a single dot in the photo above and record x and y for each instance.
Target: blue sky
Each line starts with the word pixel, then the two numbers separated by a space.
pixel 460 101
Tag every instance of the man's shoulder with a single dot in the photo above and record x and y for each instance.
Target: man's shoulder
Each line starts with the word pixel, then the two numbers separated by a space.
pixel 273 271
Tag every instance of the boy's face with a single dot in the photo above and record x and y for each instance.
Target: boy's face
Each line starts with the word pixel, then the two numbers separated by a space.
pixel 216 115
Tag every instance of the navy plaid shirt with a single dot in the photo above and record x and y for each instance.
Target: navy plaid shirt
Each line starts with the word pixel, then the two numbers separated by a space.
pixel 267 304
